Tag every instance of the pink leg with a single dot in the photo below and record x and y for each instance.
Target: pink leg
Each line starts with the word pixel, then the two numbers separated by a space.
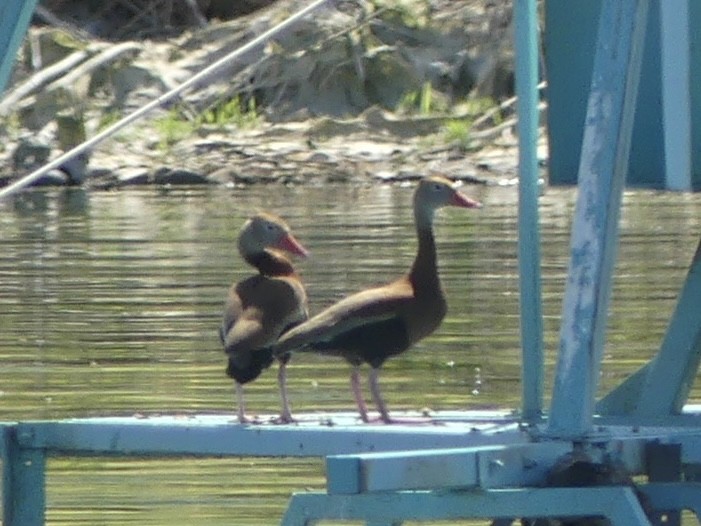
pixel 377 395
pixel 374 378
pixel 243 419
pixel 241 404
pixel 286 415
pixel 357 394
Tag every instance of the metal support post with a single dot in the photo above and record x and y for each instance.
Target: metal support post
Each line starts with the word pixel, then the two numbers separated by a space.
pixel 619 504
pixel 23 489
pixel 602 171
pixel 675 48
pixel 14 20
pixel 526 28
pixel 664 464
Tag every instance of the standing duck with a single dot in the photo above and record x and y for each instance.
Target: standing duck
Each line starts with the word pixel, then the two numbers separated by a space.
pixel 260 308
pixel 378 323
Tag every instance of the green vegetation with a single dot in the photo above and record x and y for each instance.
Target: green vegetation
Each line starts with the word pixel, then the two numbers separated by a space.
pixel 66 40
pixel 409 13
pixel 426 102
pixel 478 106
pixel 172 128
pixel 234 111
pixel 175 126
pixel 423 102
pixel 457 132
pixel 107 119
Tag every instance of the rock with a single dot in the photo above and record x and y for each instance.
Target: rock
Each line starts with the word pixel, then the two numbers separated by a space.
pixel 76 169
pixel 178 176
pixel 53 178
pixel 133 176
pixel 30 154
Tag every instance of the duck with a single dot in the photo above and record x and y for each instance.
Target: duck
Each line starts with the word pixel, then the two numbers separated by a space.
pixel 378 323
pixel 261 307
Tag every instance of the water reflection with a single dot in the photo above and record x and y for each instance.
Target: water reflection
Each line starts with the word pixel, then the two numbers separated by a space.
pixel 110 303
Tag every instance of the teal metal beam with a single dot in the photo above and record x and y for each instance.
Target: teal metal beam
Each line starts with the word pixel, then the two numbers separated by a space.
pixel 569 41
pixel 674 496
pixel 526 33
pixel 23 482
pixel 475 467
pixel 207 435
pixel 695 83
pixel 675 47
pixel 619 504
pixel 672 53
pixel 602 170
pixel 419 469
pixel 685 420
pixel 662 386
pixel 15 16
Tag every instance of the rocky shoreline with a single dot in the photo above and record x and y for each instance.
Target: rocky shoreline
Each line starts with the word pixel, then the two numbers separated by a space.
pixel 351 96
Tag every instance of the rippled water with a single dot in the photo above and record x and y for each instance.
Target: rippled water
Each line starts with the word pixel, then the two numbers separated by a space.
pixel 110 304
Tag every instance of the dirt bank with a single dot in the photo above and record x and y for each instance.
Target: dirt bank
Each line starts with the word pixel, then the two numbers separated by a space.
pixel 360 92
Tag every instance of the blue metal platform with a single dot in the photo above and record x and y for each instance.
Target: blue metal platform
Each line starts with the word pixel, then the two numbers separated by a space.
pixel 212 435
pixel 474 464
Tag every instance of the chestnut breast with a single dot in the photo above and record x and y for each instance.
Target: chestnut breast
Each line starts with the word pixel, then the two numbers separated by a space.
pixel 259 309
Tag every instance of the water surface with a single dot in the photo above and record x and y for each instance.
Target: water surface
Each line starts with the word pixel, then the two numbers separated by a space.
pixel 110 304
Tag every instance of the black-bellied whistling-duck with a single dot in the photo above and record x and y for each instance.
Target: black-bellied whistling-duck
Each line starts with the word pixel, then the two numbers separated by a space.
pixel 260 308
pixel 376 324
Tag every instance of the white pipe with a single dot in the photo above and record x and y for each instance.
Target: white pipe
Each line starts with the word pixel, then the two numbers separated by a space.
pixel 166 97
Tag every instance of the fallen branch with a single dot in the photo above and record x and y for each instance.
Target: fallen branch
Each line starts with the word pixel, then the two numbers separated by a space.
pixel 490 133
pixel 501 107
pixel 40 79
pixel 107 55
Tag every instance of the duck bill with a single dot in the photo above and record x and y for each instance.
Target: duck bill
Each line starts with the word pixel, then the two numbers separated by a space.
pixel 291 245
pixel 461 200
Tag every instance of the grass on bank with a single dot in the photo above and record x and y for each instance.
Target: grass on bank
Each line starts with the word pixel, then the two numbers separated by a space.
pixel 457 132
pixel 426 102
pixel 176 126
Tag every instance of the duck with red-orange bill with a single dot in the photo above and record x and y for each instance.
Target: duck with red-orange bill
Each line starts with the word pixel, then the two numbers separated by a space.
pixel 378 323
pixel 260 308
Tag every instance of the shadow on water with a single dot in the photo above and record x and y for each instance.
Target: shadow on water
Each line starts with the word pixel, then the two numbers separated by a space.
pixel 110 304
